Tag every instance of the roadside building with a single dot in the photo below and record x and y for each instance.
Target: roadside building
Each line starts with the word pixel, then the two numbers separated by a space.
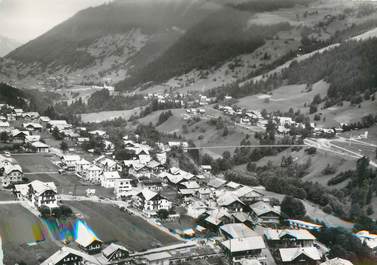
pixel 122 187
pixel 108 179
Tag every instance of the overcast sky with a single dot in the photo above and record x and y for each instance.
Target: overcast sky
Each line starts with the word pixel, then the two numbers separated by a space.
pixel 23 20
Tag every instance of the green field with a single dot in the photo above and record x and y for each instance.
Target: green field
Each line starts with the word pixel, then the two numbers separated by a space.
pixel 111 224
pixel 18 227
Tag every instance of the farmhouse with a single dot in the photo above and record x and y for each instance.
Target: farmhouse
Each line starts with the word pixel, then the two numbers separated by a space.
pixel 12 173
pixel 40 147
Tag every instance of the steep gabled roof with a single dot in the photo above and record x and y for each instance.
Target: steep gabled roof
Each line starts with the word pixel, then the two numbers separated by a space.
pixel 291 254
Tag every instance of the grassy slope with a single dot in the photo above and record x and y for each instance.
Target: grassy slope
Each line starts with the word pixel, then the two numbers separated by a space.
pixel 16 230
pixel 132 231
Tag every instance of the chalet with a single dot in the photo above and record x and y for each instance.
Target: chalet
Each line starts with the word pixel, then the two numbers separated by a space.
pixel 248 195
pixel 155 166
pixel 106 164
pixel 217 218
pixel 70 135
pixel 81 164
pixel 244 248
pixel 139 170
pixel 236 230
pixel 86 239
pixel 33 127
pixel 30 116
pixel 287 238
pixel 121 187
pixel 114 254
pixel 153 183
pixel 231 202
pixel 40 147
pixel 190 185
pixel 18 135
pixel 12 174
pixel 44 120
pixel 150 202
pixel 69 161
pixel 244 218
pixel 38 193
pixel 143 155
pixel 174 180
pixel 59 124
pixel 108 179
pixel 264 213
pixel 70 256
pixel 299 256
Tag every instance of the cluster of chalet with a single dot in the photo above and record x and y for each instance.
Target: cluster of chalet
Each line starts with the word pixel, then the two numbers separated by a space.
pixel 188 100
pixel 22 127
pixel 10 172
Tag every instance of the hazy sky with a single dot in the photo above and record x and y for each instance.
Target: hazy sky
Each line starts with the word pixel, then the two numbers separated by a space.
pixel 24 20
